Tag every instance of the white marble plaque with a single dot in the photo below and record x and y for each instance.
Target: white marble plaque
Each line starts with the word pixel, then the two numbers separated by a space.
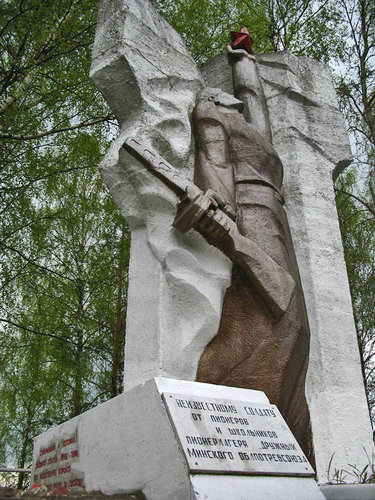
pixel 235 437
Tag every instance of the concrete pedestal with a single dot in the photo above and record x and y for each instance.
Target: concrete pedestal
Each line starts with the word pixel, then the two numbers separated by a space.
pixel 128 445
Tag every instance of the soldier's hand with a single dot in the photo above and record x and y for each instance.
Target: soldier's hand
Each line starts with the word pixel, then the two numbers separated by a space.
pixel 235 55
pixel 213 225
pixel 221 203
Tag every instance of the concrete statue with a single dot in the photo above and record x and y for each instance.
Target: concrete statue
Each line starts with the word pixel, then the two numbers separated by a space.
pixel 252 143
pixel 263 338
pixel 256 346
pixel 224 175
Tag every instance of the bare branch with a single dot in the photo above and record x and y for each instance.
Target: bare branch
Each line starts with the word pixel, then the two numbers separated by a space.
pixel 36 332
pixel 56 131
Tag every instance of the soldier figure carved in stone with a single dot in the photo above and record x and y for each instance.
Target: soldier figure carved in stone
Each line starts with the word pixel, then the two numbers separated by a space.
pixel 256 347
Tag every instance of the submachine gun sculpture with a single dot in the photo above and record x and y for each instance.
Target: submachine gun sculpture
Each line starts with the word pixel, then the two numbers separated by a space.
pixel 213 218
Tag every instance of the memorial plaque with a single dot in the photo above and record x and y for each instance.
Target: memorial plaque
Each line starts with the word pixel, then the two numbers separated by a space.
pixel 235 437
pixel 54 464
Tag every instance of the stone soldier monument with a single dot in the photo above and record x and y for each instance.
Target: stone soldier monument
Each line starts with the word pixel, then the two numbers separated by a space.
pixel 237 278
pixel 258 345
pixel 197 324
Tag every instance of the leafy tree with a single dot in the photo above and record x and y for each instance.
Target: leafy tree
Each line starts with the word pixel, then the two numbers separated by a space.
pixel 205 25
pixel 301 26
pixel 64 246
pixel 356 86
pixel 70 304
pixel 25 411
pixel 356 189
pixel 305 28
pixel 44 68
pixel 356 207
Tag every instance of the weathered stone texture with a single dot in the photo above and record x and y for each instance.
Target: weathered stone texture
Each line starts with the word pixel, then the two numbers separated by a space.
pixel 128 444
pixel 177 282
pixel 310 136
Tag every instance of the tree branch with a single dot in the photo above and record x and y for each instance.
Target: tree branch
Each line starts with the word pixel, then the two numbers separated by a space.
pixel 360 200
pixel 36 332
pixel 32 262
pixel 56 131
pixel 46 46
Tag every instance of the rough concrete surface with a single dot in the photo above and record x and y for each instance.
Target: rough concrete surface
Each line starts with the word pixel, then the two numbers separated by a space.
pixel 176 282
pixel 310 136
pixel 348 491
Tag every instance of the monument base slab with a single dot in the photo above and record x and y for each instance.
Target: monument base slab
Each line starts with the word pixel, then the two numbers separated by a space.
pixel 133 443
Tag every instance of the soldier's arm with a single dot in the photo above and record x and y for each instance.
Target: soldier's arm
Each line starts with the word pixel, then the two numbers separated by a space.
pixel 248 88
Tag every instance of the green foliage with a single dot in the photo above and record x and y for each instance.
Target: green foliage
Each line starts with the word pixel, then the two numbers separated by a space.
pixel 306 28
pixel 300 26
pixel 44 84
pixel 205 25
pixel 356 86
pixel 63 243
pixel 356 189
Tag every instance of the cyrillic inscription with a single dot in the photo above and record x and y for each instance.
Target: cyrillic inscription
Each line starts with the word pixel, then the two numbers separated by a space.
pixel 235 437
pixel 54 463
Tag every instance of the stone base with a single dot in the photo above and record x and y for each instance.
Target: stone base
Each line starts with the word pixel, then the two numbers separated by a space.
pixel 128 445
pixel 348 491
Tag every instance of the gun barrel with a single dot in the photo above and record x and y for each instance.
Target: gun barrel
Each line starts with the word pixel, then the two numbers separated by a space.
pixel 159 167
